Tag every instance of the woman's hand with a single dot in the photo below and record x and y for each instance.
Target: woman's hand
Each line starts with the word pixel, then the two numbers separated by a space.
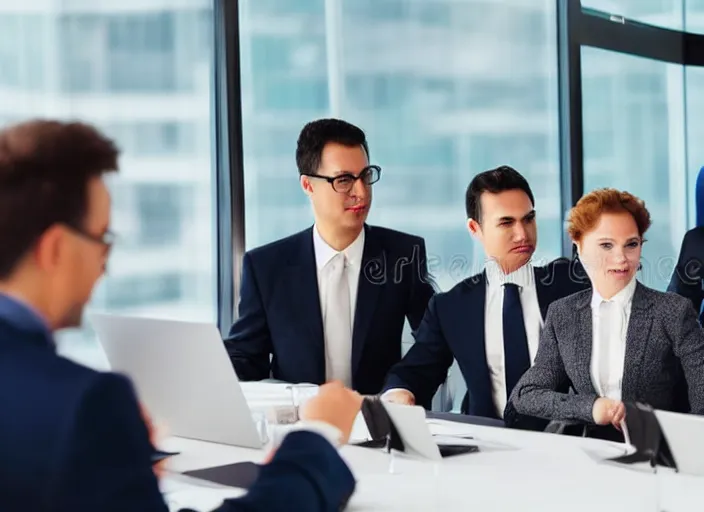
pixel 606 410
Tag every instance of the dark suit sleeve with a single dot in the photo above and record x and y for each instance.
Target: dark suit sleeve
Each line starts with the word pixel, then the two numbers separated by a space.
pixel 306 473
pixel 425 365
pixel 106 462
pixel 688 346
pixel 686 278
pixel 249 342
pixel 536 393
pixel 422 289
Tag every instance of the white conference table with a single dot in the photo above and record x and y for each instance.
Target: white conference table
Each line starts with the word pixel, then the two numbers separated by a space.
pixel 516 471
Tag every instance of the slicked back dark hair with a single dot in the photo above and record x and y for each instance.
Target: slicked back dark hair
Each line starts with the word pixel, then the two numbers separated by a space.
pixel 45 167
pixel 316 134
pixel 493 181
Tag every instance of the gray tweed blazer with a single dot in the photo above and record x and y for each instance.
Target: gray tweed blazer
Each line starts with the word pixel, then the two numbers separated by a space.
pixel 664 342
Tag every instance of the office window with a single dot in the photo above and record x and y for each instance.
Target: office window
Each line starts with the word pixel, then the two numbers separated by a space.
pixel 156 138
pixel 133 292
pixel 284 7
pixel 641 149
pixel 160 208
pixel 694 16
pixel 372 91
pixel 292 94
pixel 119 70
pixel 388 10
pixel 140 49
pixel 695 134
pixel 20 50
pixel 661 13
pixel 443 91
pixel 158 51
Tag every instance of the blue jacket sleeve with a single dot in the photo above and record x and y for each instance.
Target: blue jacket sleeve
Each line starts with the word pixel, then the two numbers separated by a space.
pixel 425 366
pixel 306 473
pixel 105 462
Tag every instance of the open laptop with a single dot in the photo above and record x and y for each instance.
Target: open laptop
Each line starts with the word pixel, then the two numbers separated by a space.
pixel 182 374
pixel 685 436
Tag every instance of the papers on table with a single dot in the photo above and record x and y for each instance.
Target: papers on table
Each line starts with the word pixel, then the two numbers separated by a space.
pixel 181 492
pixel 551 445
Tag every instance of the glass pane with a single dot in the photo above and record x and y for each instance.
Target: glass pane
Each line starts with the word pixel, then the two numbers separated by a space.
pixel 661 13
pixel 694 16
pixel 634 140
pixel 695 134
pixel 443 89
pixel 143 77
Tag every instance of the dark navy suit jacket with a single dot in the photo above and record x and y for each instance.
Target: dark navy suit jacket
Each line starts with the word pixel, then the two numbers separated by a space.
pixel 688 278
pixel 72 439
pixel 279 331
pixel 453 327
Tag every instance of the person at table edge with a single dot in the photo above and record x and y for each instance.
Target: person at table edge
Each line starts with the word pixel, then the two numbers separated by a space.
pixel 74 438
pixel 330 302
pixel 620 341
pixel 490 323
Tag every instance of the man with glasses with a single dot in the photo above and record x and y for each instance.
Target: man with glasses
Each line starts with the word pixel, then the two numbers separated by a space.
pixel 72 438
pixel 330 302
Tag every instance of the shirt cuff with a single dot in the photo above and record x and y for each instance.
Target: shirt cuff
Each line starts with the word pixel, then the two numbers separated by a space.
pixel 392 390
pixel 329 432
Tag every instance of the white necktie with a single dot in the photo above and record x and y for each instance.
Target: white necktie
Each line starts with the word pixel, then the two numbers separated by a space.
pixel 606 324
pixel 337 324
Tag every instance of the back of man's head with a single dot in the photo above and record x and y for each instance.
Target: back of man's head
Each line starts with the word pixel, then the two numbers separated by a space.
pixel 50 172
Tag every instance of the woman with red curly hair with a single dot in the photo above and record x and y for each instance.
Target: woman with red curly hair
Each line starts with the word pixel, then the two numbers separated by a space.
pixel 620 341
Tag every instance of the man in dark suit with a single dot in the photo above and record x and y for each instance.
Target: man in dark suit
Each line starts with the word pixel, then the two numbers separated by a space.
pixel 330 302
pixel 688 278
pixel 73 438
pixel 490 323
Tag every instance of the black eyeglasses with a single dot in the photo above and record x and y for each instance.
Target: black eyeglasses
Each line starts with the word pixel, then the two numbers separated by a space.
pixel 343 183
pixel 106 239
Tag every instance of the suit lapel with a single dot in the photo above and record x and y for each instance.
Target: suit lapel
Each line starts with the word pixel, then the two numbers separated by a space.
pixel 637 336
pixel 542 288
pixel 583 335
pixel 470 325
pixel 372 278
pixel 302 287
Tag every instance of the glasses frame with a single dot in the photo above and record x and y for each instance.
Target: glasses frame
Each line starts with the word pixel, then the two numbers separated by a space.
pixel 336 181
pixel 107 239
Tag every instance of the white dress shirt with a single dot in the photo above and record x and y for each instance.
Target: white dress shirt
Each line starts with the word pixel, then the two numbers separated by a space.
pixel 330 432
pixel 609 327
pixel 524 277
pixel 353 255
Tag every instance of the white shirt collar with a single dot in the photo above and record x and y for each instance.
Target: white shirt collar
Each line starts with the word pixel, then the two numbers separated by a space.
pixel 324 253
pixel 622 298
pixel 523 276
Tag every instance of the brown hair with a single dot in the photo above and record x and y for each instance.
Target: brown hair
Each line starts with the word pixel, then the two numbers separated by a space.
pixel 586 213
pixel 45 167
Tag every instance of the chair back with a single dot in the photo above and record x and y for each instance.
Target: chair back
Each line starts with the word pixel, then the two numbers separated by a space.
pixel 699 197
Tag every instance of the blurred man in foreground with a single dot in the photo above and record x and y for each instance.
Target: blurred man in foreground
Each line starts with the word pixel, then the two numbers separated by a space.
pixel 73 438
